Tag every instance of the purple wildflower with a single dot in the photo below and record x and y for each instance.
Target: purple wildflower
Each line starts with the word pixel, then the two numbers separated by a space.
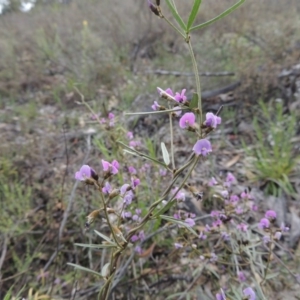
pixel 134 144
pixel 264 223
pixel 225 236
pixel 132 170
pixel 248 292
pixel 270 214
pixel 190 222
pixel 202 147
pixel 129 135
pixel 112 168
pixel 212 120
pixel 202 236
pixel 177 246
pixel 180 97
pixel 124 188
pixel 180 195
pixel 212 182
pixel 213 257
pixel 138 211
pixel 135 182
pixel 229 179
pixel 167 94
pixel 239 210
pixel 242 227
pixel 241 276
pixel 138 250
pixel 162 172
pixel 234 198
pixel 277 235
pixel 155 106
pixel 225 194
pixel 284 228
pixel 126 214
pixel 127 199
pixel 221 296
pixel 266 239
pixel 107 188
pixel 142 235
pixel 85 174
pixel 187 120
pixel 134 238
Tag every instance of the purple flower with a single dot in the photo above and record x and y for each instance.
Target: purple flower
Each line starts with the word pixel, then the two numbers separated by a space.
pixel 132 170
pixel 225 194
pixel 242 227
pixel 112 168
pixel 187 120
pixel 264 223
pixel 202 236
pixel 126 214
pixel 212 182
pixel 138 250
pixel 241 276
pixel 225 236
pixel 180 196
pixel 177 111
pixel 167 94
pixel 212 120
pixel 135 218
pixel 124 188
pixel 234 198
pixel 217 223
pixel 142 235
pixel 155 106
pixel 213 257
pixel 177 246
pixel 134 238
pixel 239 210
pixel 162 172
pixel 284 228
pixel 221 296
pixel 129 135
pixel 180 97
pixel 270 214
pixel 215 214
pixel 127 199
pixel 266 239
pixel 138 211
pixel 135 182
pixel 107 188
pixel 248 292
pixel 85 174
pixel 190 222
pixel 134 144
pixel 277 235
pixel 229 179
pixel 202 147
pixel 111 116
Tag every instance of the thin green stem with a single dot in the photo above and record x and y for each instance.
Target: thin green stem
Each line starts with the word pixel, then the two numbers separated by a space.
pixel 172 141
pixel 197 78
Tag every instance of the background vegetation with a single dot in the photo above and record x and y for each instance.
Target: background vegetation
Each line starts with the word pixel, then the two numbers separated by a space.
pixel 111 51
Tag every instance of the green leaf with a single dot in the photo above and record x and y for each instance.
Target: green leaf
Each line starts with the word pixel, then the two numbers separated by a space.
pixel 271 275
pixel 179 222
pixel 193 14
pixel 84 269
pixel 165 153
pixel 176 15
pixel 222 15
pixel 105 238
pixel 164 208
pixel 194 101
pixel 96 246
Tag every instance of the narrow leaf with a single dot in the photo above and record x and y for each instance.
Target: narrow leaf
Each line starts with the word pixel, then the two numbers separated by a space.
pixel 83 269
pixel 193 14
pixel 165 153
pixel 176 15
pixel 96 246
pixel 179 222
pixel 105 237
pixel 222 15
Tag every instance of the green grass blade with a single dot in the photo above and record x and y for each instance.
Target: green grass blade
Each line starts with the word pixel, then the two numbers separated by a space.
pixel 105 238
pixel 84 269
pixel 193 14
pixel 222 15
pixel 176 15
